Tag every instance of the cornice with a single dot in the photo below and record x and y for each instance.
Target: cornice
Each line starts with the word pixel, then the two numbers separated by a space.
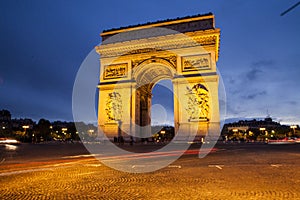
pixel 157 24
pixel 168 42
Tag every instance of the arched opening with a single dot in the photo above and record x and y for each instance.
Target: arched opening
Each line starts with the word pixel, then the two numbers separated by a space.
pixel 149 76
pixel 162 111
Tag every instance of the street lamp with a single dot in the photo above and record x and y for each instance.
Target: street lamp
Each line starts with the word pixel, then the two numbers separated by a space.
pixel 262 131
pixel 91 132
pixel 64 129
pixel 293 127
pixel 25 127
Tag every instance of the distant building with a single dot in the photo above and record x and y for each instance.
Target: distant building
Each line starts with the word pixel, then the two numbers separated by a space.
pixel 19 123
pixel 254 124
pixel 5 116
pixel 254 129
pixel 5 122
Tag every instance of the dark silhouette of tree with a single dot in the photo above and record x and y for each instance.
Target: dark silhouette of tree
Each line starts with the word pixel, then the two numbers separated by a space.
pixel 42 130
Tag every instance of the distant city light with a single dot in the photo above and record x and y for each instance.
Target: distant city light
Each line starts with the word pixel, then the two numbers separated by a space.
pixel 91 131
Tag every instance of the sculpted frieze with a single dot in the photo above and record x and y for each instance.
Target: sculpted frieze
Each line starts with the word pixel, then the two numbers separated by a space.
pixel 170 59
pixel 115 71
pixel 196 62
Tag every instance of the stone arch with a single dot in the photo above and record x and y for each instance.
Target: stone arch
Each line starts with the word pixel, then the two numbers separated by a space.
pixel 132 66
pixel 152 70
pixel 146 75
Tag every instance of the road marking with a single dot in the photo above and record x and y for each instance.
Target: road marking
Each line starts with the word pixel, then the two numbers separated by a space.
pixel 135 166
pixel 217 166
pixel 87 173
pixel 276 165
pixel 92 165
pixel 175 166
pixel 82 156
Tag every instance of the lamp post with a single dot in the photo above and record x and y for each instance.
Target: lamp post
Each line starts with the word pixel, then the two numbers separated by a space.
pixel 63 131
pixel 91 132
pixel 293 127
pixel 163 135
pixel 262 131
pixel 235 132
pixel 25 127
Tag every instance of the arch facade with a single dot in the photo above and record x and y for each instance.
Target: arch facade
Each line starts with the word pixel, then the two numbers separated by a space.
pixel 132 63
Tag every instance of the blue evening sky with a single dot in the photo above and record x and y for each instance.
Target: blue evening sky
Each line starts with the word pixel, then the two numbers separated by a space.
pixel 43 44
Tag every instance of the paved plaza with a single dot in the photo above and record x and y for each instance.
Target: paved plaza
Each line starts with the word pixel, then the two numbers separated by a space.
pixel 231 171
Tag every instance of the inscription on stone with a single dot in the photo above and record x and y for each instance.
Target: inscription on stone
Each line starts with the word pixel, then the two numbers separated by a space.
pixel 115 71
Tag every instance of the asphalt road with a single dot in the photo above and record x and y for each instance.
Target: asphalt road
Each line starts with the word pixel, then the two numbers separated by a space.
pixel 230 171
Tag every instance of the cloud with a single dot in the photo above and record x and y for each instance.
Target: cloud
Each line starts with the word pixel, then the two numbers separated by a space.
pixel 253 74
pixel 234 110
pixel 263 63
pixel 254 95
pixel 231 81
pixel 257 68
pixel 293 103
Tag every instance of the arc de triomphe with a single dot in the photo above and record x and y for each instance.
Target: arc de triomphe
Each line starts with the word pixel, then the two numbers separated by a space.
pixel 133 59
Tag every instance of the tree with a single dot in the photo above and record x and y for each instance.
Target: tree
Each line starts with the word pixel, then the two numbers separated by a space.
pixel 42 130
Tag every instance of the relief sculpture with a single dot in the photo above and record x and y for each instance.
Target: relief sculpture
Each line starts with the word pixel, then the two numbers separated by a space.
pixel 114 107
pixel 198 103
pixel 115 71
pixel 170 59
pixel 191 63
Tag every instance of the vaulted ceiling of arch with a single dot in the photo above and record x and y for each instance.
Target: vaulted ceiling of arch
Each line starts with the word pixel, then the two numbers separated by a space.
pixel 152 75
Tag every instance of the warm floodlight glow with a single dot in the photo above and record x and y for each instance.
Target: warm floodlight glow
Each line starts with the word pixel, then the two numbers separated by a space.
pixel 91 131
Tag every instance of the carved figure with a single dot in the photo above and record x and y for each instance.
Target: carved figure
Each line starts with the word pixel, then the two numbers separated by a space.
pixel 198 102
pixel 114 107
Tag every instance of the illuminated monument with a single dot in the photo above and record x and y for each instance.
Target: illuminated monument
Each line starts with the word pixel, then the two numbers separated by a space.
pixel 133 59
